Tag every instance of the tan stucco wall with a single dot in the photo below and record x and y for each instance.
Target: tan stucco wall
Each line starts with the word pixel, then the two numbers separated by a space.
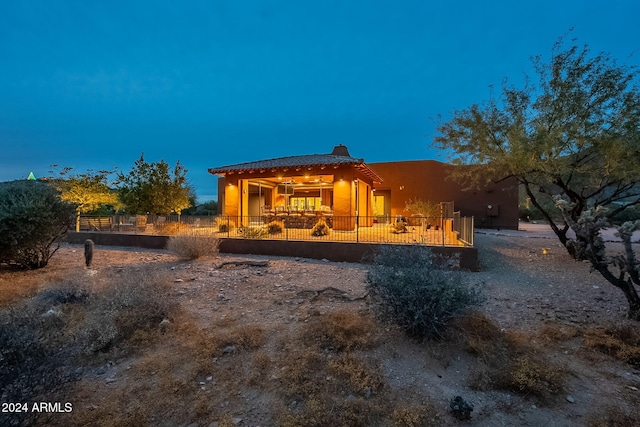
pixel 428 180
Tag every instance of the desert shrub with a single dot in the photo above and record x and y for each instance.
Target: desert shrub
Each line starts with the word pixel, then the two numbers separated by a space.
pixel 417 290
pixel 531 375
pixel 323 411
pixel 276 226
pixel 338 331
pixel 172 228
pixel 305 375
pixel 225 225
pixel 245 337
pixel 259 232
pixel 480 336
pixel 33 219
pixel 621 341
pixel 321 228
pixel 36 355
pixel 135 304
pixel 507 361
pixel 613 417
pixel 191 245
pixel 424 415
pixel 399 227
pixel 360 378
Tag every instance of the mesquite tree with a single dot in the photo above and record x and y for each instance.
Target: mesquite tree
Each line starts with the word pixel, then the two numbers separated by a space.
pixel 154 188
pixel 575 137
pixel 87 191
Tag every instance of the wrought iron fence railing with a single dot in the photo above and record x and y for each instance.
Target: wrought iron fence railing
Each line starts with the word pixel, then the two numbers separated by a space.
pixel 433 231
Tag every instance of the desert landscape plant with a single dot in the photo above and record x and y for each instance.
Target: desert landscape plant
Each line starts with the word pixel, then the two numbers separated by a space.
pixel 33 220
pixel 225 225
pixel 191 245
pixel 422 294
pixel 254 232
pixel 321 228
pixel 573 137
pixel 87 191
pixel 276 226
pixel 154 188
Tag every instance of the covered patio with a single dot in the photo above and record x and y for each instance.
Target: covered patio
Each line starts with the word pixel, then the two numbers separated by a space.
pixel 300 189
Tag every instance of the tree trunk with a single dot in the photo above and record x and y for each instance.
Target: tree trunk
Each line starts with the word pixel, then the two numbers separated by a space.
pixel 77 221
pixel 634 301
pixel 626 286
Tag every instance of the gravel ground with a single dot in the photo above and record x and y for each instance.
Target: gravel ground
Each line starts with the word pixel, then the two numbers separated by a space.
pixel 527 276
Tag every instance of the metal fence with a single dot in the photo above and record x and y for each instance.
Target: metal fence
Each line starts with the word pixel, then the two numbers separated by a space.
pixel 435 231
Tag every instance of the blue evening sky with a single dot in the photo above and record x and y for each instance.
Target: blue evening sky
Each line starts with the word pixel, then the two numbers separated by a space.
pixel 92 84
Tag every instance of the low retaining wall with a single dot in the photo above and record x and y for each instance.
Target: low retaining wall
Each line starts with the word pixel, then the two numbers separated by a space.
pixel 333 251
pixel 118 239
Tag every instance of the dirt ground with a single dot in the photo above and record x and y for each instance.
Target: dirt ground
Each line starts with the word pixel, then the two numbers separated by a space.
pixel 528 279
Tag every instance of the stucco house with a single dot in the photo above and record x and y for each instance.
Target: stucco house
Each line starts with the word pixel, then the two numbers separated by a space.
pixel 350 191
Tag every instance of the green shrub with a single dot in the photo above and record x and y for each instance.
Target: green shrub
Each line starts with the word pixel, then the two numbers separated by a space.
pixel 419 291
pixel 275 226
pixel 33 219
pixel 321 228
pixel 191 245
pixel 225 225
pixel 259 232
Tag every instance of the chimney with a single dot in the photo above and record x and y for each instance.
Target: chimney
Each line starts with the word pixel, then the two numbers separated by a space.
pixel 340 150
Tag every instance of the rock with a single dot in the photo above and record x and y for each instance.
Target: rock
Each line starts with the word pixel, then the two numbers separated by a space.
pixel 460 409
pixel 367 394
pixel 178 281
pixel 164 325
pixel 570 399
pixel 229 349
pixel 236 421
pixel 53 312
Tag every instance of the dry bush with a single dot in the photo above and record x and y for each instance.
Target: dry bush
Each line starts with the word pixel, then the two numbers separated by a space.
pixel 261 366
pixel 531 375
pixel 481 336
pixel 614 417
pixel 172 228
pixel 191 245
pixel 305 373
pixel 356 376
pixel 507 361
pixel 339 331
pixel 326 411
pixel 559 333
pixel 330 388
pixel 241 337
pixel 132 306
pixel 425 415
pixel 37 349
pixel 621 341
